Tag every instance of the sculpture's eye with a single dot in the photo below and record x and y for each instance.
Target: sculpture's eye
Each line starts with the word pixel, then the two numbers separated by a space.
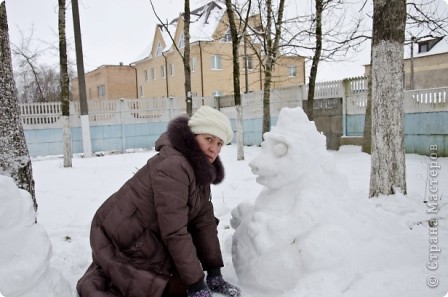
pixel 280 149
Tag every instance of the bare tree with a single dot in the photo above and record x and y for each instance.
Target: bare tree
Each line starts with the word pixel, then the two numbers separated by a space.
pixel 35 81
pixel 316 58
pixel 333 31
pixel 186 58
pixel 14 156
pixel 237 33
pixel 423 19
pixel 65 87
pixel 185 54
pixel 268 32
pixel 366 146
pixel 388 168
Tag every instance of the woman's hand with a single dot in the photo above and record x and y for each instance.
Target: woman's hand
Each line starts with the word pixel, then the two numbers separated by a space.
pixel 219 285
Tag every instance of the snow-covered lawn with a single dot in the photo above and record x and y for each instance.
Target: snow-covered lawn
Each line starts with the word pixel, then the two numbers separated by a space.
pixel 68 198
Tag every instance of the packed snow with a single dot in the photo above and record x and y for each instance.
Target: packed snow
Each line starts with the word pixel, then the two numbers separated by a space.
pixel 304 223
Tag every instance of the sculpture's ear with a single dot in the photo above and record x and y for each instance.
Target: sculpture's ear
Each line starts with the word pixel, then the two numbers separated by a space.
pixel 280 149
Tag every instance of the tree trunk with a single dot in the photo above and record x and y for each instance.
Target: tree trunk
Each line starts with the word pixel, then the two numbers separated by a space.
pixel 186 58
pixel 388 168
pixel 367 134
pixel 316 58
pixel 267 71
pixel 65 89
pixel 271 52
pixel 236 80
pixel 14 156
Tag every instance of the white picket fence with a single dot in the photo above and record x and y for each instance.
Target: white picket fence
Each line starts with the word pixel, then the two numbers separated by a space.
pixel 415 101
pixel 130 111
pixel 125 111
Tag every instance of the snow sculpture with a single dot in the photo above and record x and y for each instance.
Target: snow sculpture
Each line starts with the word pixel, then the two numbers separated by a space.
pixel 25 249
pixel 279 237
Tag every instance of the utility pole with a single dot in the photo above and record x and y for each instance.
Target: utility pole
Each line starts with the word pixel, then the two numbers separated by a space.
pixel 246 61
pixel 85 125
pixel 412 85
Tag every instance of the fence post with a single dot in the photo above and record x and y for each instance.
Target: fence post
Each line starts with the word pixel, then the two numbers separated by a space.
pixel 217 102
pixel 170 107
pixel 345 91
pixel 121 106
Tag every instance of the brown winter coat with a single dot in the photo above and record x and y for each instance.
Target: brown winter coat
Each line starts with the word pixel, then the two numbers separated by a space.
pixel 159 222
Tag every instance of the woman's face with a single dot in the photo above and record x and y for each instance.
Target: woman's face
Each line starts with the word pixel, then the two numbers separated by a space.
pixel 210 145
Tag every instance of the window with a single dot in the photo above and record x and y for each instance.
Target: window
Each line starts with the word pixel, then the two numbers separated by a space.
pixel 249 62
pixel 423 48
pixel 101 90
pixel 227 37
pixel 216 62
pixel 146 74
pixel 193 64
pixel 171 69
pixel 159 49
pixel 163 71
pixel 182 40
pixel 140 91
pixel 153 73
pixel 292 71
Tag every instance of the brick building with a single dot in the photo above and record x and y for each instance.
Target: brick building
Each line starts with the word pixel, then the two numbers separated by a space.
pixel 161 73
pixel 108 82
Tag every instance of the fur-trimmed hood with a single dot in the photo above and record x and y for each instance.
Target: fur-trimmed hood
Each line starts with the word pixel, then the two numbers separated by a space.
pixel 181 138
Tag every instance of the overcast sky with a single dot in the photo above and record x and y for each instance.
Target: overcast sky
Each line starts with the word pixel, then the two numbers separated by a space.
pixel 113 31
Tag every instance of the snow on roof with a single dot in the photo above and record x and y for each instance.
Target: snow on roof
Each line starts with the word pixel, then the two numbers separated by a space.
pixel 166 36
pixel 144 54
pixel 440 47
pixel 207 22
pixel 203 24
pixel 203 21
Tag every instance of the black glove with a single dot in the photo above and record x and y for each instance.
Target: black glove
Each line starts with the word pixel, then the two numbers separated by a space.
pixel 219 285
pixel 199 289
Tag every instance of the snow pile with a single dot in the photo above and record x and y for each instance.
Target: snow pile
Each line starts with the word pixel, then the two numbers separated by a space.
pixel 308 234
pixel 354 246
pixel 25 248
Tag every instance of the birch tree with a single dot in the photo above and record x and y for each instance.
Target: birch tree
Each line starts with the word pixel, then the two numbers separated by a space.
pixel 14 157
pixel 316 59
pixel 424 18
pixel 237 35
pixel 388 167
pixel 270 35
pixel 323 30
pixel 336 37
pixel 186 58
pixel 65 88
pixel 185 54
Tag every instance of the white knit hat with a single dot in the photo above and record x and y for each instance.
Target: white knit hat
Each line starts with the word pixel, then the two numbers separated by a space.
pixel 207 120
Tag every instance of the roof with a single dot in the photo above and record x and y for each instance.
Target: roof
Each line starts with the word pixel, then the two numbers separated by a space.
pixel 440 47
pixel 203 24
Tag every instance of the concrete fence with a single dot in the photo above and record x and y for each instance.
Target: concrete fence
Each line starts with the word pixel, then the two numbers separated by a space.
pixel 339 112
pixel 425 117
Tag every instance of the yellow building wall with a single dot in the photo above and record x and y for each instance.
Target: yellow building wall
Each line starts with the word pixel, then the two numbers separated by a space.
pixel 205 80
pixel 119 81
pixel 429 71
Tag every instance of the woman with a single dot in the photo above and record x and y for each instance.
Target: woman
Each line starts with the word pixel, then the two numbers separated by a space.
pixel 157 234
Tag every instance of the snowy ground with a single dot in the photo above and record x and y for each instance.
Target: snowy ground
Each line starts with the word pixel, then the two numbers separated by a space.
pixel 68 199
